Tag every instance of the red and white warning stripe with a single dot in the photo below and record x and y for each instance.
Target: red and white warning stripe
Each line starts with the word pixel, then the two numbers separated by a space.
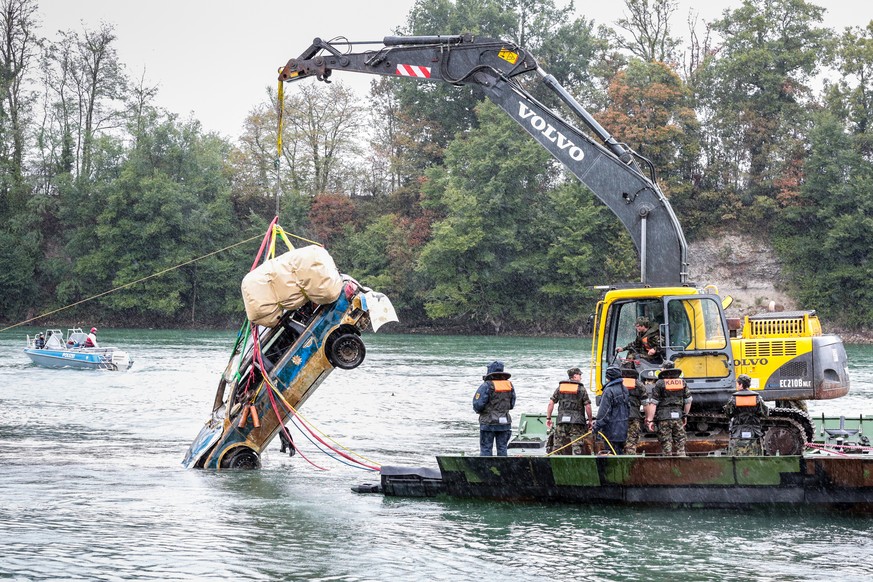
pixel 413 71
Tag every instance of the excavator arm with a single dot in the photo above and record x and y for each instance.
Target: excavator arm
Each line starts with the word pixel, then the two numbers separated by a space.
pixel 611 170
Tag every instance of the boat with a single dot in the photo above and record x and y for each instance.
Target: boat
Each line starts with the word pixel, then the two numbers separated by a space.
pixel 835 472
pixel 60 352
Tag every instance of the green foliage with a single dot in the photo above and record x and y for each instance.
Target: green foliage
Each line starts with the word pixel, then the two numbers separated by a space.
pixel 756 87
pixel 828 238
pixel 486 257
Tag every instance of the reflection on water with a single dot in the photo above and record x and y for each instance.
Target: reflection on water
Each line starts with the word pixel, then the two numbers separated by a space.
pixel 92 485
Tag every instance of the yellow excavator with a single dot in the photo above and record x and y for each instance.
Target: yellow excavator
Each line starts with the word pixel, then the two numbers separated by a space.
pixel 786 354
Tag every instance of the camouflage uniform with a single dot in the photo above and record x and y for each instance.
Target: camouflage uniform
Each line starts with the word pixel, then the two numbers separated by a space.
pixel 670 395
pixel 746 409
pixel 646 340
pixel 572 423
pixel 637 396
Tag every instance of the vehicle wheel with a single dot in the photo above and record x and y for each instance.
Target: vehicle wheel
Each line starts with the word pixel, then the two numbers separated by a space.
pixel 241 458
pixel 347 351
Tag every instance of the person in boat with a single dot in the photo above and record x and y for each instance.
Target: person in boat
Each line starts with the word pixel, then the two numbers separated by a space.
pixel 671 400
pixel 39 342
pixel 612 413
pixel 746 409
pixel 638 396
pixel 574 413
pixel 91 340
pixel 647 344
pixel 493 400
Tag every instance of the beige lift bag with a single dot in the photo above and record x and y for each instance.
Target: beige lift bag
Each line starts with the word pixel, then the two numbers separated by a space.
pixel 288 282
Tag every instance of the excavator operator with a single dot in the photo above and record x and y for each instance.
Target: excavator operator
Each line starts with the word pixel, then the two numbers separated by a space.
pixel 647 344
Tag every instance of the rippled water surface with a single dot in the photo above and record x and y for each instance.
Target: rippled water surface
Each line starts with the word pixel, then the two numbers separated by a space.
pixel 91 485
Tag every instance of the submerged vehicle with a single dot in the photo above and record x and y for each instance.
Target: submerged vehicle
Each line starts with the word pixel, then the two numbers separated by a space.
pixel 57 352
pixel 305 319
pixel 787 356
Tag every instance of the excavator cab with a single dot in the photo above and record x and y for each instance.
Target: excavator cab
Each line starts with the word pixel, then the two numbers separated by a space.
pixel 693 335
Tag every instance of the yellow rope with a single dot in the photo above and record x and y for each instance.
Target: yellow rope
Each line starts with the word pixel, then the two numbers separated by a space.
pixel 120 287
pixel 569 444
pixel 579 439
pixel 284 232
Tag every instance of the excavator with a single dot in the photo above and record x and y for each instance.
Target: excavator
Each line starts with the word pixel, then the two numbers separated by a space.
pixel 785 353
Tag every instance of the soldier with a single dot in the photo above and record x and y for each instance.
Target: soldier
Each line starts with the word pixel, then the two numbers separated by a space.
pixel 493 400
pixel 745 409
pixel 574 413
pixel 647 344
pixel 672 402
pixel 638 396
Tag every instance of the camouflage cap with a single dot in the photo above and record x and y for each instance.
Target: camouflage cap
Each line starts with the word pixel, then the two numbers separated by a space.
pixel 744 380
pixel 669 370
pixel 573 371
pixel 643 320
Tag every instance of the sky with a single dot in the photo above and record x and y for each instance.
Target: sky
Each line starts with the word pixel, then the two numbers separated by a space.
pixel 216 60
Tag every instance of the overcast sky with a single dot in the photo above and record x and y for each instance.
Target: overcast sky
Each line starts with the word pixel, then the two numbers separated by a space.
pixel 215 60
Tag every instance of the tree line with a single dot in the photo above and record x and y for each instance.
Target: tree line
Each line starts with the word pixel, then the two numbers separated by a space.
pixel 759 121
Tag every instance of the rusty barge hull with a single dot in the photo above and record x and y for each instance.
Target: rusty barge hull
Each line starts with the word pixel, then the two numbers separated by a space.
pixel 812 480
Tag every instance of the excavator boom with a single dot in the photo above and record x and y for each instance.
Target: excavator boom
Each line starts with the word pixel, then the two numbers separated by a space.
pixel 610 169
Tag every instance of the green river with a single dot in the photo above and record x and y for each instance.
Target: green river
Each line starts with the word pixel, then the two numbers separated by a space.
pixel 91 485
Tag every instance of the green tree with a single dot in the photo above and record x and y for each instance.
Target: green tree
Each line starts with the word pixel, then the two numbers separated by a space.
pixel 851 97
pixel 827 238
pixel 18 52
pixel 485 259
pixel 754 92
pixel 169 204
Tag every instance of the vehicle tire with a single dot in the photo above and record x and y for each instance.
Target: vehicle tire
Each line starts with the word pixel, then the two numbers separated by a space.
pixel 241 458
pixel 346 351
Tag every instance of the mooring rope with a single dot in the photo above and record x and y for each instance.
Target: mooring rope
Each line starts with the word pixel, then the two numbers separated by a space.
pixel 120 287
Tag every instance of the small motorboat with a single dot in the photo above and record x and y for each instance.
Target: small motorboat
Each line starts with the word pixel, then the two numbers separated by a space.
pixel 58 352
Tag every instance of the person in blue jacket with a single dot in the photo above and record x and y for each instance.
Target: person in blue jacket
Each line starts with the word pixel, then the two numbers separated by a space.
pixel 493 400
pixel 612 413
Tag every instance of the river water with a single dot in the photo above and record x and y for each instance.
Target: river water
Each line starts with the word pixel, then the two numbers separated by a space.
pixel 91 485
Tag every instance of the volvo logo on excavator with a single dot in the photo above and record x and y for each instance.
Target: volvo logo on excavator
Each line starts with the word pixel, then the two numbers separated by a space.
pixel 549 132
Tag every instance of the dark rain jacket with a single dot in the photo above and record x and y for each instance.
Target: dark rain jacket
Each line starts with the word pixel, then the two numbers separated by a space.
pixel 612 414
pixel 493 400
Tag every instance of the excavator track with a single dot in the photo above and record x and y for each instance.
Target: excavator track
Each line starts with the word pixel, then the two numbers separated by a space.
pixel 786 431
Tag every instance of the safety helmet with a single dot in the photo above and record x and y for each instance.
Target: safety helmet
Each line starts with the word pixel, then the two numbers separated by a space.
pixel 93 330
